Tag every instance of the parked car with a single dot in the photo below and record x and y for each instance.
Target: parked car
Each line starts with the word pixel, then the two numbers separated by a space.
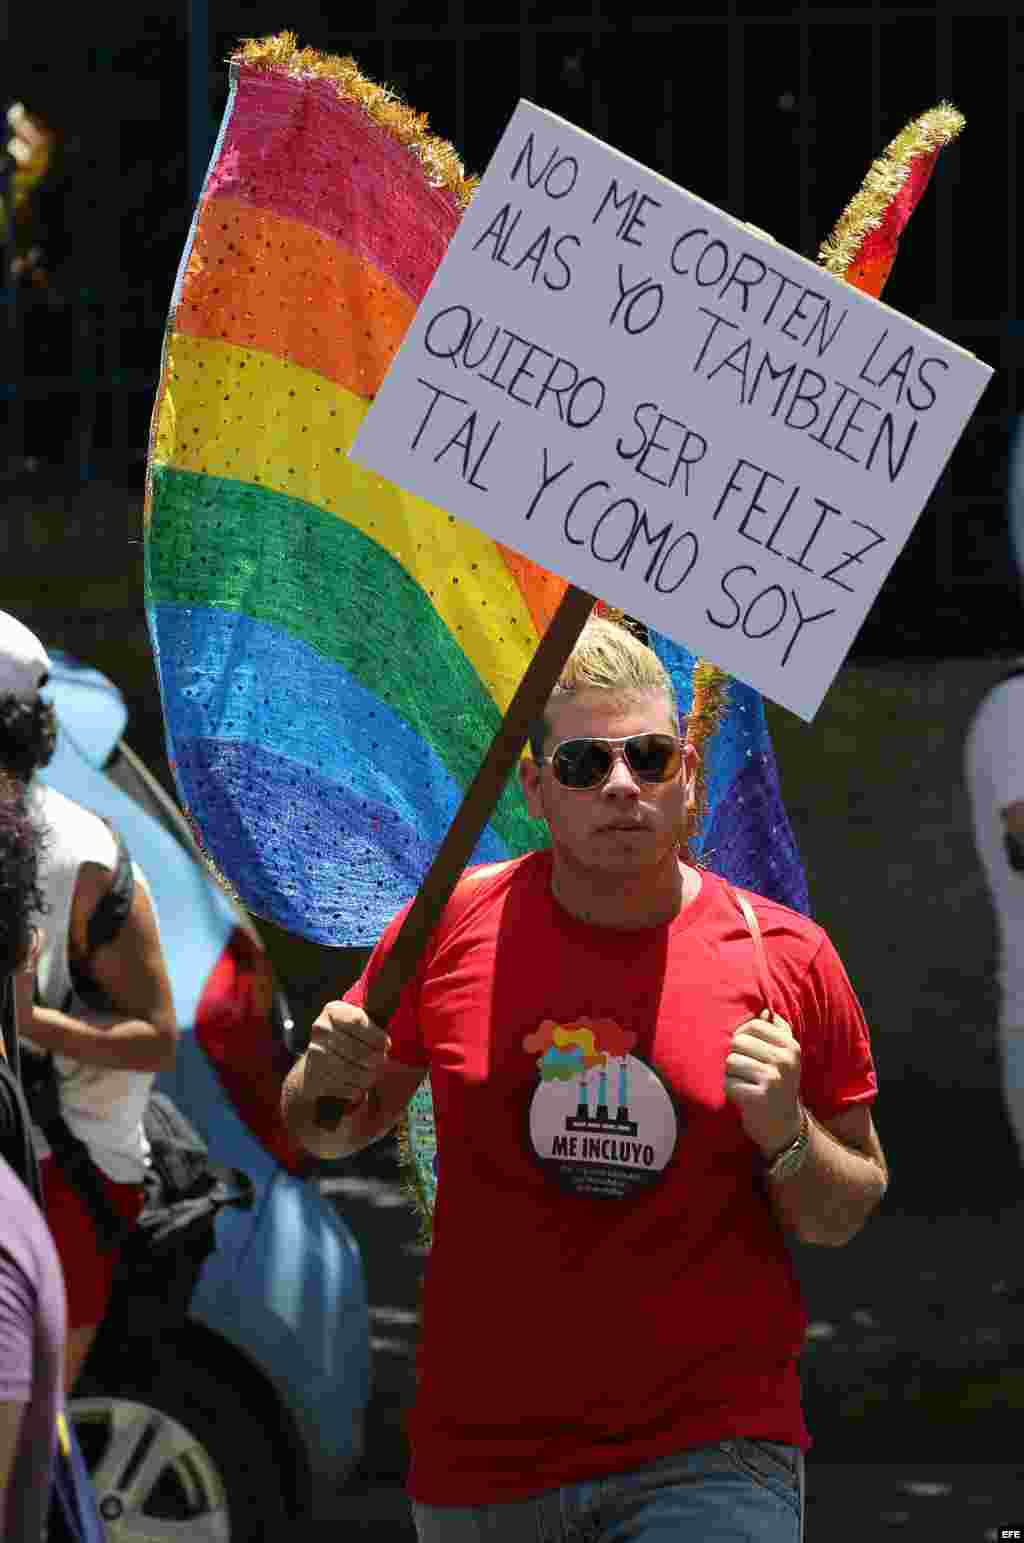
pixel 252 1414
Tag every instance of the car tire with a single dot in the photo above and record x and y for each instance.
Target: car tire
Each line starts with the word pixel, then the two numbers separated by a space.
pixel 179 1448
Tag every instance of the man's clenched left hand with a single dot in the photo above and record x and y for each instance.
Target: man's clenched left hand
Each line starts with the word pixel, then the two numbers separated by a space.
pixel 762 1078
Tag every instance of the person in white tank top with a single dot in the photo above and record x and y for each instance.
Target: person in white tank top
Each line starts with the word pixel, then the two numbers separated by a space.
pixel 105 1061
pixel 103 1104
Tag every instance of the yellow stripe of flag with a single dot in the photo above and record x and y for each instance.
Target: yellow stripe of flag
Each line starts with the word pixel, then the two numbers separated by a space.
pixel 235 413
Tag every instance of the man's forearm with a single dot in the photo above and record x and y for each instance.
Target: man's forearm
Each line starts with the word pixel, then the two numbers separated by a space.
pixel 130 1045
pixel 831 1197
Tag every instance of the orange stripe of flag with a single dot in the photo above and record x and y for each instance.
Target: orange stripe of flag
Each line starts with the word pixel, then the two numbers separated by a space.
pixel 251 270
pixel 542 591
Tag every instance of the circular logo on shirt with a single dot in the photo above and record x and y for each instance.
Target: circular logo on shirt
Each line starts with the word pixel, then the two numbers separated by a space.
pixel 601 1120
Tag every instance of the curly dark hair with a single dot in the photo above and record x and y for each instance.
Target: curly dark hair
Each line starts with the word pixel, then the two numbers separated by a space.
pixel 21 899
pixel 28 735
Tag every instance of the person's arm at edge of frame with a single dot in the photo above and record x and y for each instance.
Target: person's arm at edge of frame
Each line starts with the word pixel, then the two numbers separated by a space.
pixel 12 1414
pixel 1012 816
pixel 12 1411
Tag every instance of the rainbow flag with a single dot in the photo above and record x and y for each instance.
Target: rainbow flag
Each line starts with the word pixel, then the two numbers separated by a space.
pixel 334 654
pixel 745 834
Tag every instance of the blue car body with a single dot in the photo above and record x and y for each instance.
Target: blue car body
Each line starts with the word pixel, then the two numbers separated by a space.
pixel 285 1286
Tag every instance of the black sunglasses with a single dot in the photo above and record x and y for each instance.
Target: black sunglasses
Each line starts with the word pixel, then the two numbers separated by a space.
pixel 587 763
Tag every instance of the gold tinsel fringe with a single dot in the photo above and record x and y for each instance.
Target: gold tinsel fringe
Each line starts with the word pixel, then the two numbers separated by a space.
pixel 866 210
pixel 409 128
pixel 616 614
pixel 710 699
pixel 207 861
pixel 411 1184
pixel 710 696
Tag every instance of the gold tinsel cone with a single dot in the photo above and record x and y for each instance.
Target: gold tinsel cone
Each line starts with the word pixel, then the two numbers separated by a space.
pixel 875 204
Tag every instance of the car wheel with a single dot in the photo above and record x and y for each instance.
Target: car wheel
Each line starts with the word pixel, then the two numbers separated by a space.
pixel 180 1458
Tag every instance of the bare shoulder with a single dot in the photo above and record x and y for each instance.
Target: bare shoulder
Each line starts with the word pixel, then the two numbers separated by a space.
pixel 130 967
pixel 93 882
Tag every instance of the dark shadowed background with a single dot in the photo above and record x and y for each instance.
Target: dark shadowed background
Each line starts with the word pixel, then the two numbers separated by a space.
pixel 773 113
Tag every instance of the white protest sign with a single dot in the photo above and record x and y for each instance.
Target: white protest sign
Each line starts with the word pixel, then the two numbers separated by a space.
pixel 669 409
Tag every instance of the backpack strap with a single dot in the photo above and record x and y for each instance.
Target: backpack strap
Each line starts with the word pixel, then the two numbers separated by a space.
pixel 112 912
pixel 761 957
pixel 106 922
pixel 16 1128
pixel 42 1091
pixel 74 1515
pixel 42 1095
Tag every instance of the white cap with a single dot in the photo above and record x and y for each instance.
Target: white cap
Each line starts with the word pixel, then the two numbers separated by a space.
pixel 24 662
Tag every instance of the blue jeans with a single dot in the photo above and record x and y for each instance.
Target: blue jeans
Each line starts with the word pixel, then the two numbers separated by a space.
pixel 738 1491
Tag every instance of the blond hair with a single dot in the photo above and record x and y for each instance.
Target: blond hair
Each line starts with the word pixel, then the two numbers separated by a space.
pixel 607 657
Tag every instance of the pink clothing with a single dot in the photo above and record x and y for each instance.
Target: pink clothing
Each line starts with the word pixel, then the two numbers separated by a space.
pixel 32 1334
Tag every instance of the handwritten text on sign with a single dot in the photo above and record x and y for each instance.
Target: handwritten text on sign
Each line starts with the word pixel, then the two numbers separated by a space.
pixel 656 402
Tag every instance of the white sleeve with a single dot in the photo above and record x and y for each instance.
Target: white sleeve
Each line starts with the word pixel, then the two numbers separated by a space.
pixel 1003 743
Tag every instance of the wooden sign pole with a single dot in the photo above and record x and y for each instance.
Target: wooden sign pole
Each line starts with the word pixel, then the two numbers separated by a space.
pixel 524 710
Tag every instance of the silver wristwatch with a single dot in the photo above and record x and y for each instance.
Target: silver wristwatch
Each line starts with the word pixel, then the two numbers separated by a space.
pixel 792 1158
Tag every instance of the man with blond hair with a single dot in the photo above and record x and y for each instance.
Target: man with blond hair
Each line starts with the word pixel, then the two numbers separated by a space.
pixel 642 1079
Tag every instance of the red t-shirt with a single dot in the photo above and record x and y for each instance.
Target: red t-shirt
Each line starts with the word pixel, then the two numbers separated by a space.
pixel 608 1283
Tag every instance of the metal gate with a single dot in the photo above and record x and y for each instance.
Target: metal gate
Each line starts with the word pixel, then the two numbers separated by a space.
pixel 773 113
